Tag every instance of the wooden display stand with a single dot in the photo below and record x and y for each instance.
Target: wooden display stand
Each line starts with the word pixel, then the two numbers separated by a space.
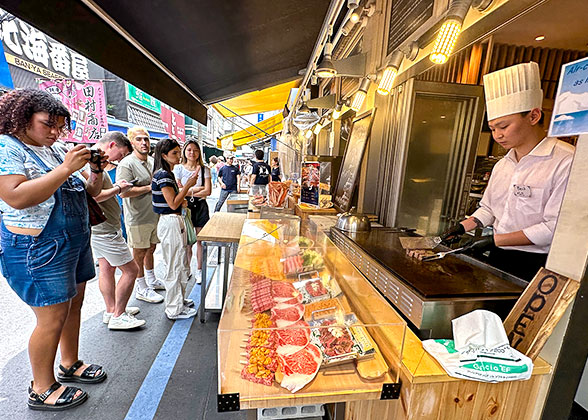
pixel 426 393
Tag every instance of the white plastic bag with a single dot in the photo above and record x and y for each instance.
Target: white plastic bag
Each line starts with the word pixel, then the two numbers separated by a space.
pixel 481 351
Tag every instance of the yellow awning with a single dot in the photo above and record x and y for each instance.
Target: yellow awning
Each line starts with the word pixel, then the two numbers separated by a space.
pixel 270 99
pixel 250 134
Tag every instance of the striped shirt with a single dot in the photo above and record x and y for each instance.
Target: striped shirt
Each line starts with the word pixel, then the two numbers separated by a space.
pixel 162 179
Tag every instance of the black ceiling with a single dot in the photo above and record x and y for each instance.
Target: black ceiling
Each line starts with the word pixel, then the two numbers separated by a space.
pixel 218 49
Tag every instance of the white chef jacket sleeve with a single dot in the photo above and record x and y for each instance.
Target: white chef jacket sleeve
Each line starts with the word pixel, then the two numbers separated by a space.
pixel 484 213
pixel 541 234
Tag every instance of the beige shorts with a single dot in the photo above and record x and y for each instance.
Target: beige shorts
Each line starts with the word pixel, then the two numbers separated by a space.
pixel 112 247
pixel 142 236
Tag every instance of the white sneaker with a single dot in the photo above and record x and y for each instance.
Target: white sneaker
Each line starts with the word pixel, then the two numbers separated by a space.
pixel 131 310
pixel 149 295
pixel 188 302
pixel 185 314
pixel 198 276
pixel 157 285
pixel 125 321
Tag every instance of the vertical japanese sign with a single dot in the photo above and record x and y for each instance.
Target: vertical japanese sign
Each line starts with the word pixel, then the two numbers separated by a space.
pixel 86 103
pixel 174 123
pixel 311 176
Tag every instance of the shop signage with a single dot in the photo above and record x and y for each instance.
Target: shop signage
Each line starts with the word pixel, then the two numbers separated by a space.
pixel 87 105
pixel 310 182
pixel 137 96
pixel 538 311
pixel 570 111
pixel 32 50
pixel 174 123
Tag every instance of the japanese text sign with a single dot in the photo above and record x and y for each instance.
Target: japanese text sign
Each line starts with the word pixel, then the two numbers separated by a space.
pixel 570 111
pixel 28 48
pixel 86 103
pixel 174 123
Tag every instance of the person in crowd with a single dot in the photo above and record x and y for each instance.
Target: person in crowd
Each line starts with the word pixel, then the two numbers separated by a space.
pixel 526 187
pixel 192 162
pixel 260 174
pixel 140 220
pixel 276 174
pixel 219 164
pixel 229 177
pixel 167 200
pixel 212 166
pixel 109 246
pixel 45 252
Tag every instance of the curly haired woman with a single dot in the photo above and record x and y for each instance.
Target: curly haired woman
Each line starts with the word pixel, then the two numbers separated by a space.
pixel 45 238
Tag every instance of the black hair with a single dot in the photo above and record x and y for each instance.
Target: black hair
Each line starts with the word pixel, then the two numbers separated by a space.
pixel 259 154
pixel 163 147
pixel 18 106
pixel 118 138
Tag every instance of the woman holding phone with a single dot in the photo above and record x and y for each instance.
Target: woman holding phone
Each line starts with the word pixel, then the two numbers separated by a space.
pixel 167 199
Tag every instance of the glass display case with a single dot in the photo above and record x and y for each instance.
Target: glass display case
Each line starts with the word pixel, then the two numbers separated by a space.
pixel 302 326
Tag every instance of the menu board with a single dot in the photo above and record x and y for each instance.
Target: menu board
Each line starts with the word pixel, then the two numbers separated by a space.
pixel 309 193
pixel 406 17
pixel 354 151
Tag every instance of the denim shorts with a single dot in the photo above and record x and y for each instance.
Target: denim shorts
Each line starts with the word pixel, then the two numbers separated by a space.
pixel 45 271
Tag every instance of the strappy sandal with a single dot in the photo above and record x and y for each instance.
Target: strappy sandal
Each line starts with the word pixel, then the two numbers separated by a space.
pixel 88 376
pixel 66 400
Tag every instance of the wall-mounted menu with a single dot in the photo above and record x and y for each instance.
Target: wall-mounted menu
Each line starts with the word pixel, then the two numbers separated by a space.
pixel 309 191
pixel 352 159
pixel 405 18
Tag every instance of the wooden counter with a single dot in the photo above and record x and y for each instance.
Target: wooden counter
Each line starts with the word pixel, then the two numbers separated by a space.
pixel 223 227
pixel 427 392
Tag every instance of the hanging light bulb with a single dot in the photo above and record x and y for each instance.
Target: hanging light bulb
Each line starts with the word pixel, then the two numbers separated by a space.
pixel 308 134
pixel 451 28
pixel 445 41
pixel 318 127
pixel 354 17
pixel 326 68
pixel 360 95
pixel 390 73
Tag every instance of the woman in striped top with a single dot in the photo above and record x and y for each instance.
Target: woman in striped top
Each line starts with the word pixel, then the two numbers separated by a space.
pixel 167 200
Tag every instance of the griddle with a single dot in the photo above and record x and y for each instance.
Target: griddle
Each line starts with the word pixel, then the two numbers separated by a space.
pixel 428 294
pixel 453 276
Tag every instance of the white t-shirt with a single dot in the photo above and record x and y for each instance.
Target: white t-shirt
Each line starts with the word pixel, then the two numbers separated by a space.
pixel 182 174
pixel 14 160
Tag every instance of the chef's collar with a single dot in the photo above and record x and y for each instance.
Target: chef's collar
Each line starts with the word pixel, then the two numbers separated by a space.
pixel 543 148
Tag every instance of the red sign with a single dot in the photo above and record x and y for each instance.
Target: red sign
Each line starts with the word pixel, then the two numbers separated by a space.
pixel 174 123
pixel 87 105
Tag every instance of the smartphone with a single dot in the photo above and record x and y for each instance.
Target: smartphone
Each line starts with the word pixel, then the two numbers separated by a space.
pixel 134 181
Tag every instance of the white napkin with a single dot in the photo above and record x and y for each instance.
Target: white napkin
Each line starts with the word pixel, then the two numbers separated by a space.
pixel 479 328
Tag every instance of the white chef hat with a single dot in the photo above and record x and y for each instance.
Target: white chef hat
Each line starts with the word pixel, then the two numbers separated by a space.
pixel 512 90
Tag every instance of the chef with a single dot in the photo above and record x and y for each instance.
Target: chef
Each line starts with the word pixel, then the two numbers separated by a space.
pixel 525 190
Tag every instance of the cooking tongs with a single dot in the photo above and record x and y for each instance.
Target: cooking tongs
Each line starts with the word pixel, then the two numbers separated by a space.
pixel 440 255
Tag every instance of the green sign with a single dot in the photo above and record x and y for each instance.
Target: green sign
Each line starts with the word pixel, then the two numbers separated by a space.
pixel 136 95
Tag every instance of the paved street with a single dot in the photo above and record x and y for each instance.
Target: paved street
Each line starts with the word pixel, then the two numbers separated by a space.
pixel 149 377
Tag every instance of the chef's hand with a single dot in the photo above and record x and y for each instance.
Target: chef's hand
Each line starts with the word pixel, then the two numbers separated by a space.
pixel 453 234
pixel 481 244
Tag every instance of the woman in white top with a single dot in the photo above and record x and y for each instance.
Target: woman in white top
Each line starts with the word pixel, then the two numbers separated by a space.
pixel 192 162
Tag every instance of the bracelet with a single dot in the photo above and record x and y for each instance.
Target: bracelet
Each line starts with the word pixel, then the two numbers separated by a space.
pixel 96 171
pixel 119 189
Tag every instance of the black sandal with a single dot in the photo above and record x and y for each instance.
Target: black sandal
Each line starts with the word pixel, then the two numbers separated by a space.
pixel 66 399
pixel 88 376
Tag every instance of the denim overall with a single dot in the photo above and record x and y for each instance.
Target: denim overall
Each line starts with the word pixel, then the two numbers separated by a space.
pixel 44 270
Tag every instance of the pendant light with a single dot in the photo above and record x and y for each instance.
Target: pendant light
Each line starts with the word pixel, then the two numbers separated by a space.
pixel 360 95
pixel 390 73
pixel 326 69
pixel 451 28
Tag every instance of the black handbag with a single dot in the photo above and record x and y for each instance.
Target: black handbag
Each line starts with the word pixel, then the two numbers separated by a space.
pixel 95 213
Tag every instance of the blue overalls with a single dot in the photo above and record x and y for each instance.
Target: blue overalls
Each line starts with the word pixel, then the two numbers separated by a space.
pixel 44 270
